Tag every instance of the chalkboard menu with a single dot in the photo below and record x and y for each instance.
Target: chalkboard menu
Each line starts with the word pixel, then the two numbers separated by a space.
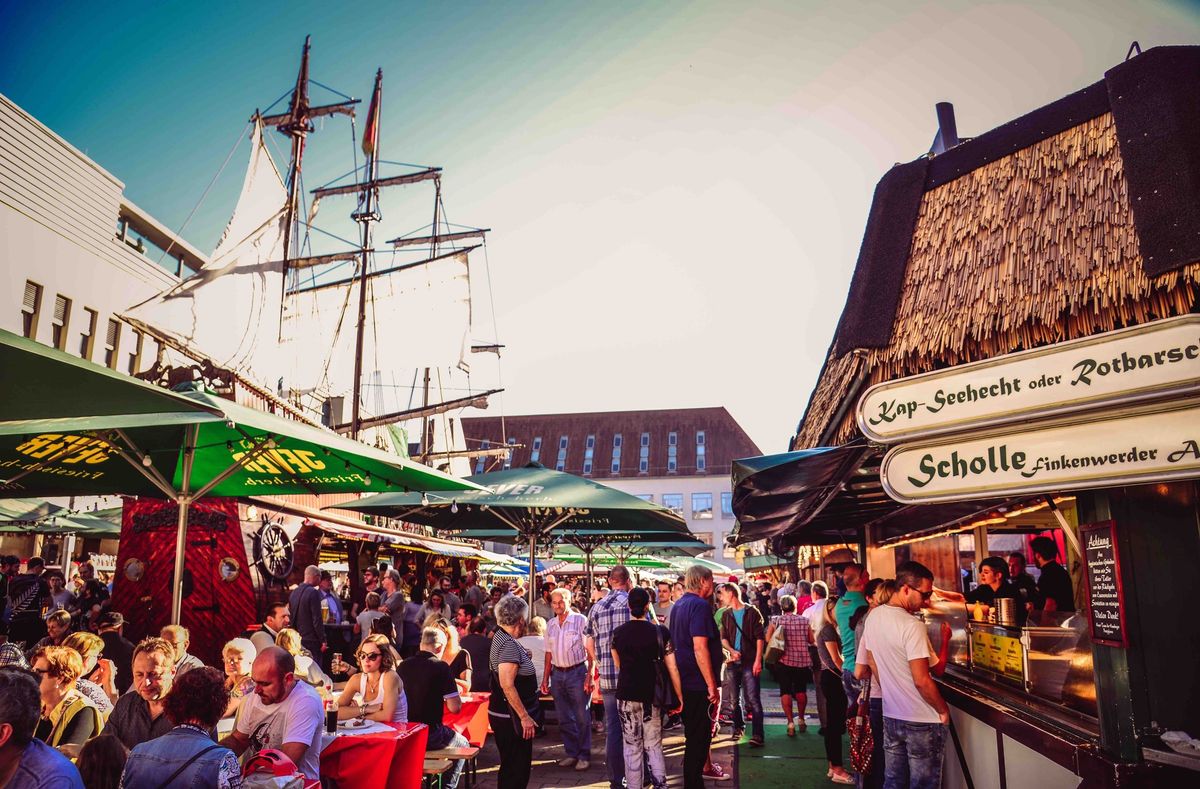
pixel 1107 602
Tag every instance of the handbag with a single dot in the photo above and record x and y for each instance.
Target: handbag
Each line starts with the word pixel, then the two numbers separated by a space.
pixel 665 697
pixel 862 739
pixel 777 646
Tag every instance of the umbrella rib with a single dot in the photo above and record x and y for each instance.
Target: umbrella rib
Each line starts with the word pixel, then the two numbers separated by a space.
pixel 149 472
pixel 263 445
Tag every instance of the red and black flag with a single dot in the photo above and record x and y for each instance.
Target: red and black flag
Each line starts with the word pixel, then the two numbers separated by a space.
pixel 370 140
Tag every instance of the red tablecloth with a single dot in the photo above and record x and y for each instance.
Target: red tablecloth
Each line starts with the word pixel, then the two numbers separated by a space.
pixel 393 760
pixel 470 721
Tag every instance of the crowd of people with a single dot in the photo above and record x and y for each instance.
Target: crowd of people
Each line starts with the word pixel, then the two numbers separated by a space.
pixel 87 707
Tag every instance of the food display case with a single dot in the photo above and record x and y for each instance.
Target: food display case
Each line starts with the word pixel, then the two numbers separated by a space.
pixel 1049 662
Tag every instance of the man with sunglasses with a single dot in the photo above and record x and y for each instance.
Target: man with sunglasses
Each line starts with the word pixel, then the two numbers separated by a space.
pixel 915 715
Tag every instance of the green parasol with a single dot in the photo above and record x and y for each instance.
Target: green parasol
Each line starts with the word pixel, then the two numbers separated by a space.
pixel 38 516
pixel 64 430
pixel 534 504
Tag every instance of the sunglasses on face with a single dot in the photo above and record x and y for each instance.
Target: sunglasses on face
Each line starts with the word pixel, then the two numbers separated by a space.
pixel 365 656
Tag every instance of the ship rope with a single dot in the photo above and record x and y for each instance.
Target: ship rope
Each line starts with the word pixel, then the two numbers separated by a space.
pixel 179 233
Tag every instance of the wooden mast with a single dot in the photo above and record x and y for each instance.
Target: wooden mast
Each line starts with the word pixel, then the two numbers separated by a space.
pixel 366 214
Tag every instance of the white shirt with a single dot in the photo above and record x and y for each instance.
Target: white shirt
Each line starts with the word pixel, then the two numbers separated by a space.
pixel 536 647
pixel 298 718
pixel 894 637
pixel 815 614
pixel 564 641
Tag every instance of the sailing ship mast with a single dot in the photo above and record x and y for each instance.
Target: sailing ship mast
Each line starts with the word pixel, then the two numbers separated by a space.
pixel 366 215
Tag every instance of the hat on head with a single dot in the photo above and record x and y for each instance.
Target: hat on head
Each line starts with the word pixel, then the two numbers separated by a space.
pixel 325 576
pixel 110 619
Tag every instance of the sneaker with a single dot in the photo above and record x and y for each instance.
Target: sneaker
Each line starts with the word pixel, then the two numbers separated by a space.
pixel 567 762
pixel 582 765
pixel 717 773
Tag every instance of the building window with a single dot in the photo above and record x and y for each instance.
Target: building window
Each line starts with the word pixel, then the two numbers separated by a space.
pixel 481 461
pixel 616 456
pixel 727 505
pixel 508 458
pixel 672 452
pixel 58 324
pixel 87 337
pixel 112 343
pixel 701 460
pixel 589 452
pixel 708 538
pixel 644 454
pixel 536 453
pixel 135 355
pixel 673 502
pixel 646 496
pixel 702 506
pixel 31 307
pixel 561 464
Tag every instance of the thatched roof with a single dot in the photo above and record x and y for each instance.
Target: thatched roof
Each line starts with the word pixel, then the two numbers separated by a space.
pixel 1035 247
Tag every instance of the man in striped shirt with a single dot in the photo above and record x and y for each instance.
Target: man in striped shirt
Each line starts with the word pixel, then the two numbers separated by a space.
pixel 568 676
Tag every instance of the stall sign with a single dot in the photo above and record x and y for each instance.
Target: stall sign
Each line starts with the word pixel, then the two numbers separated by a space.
pixel 1107 599
pixel 1141 444
pixel 1128 365
pixel 1001 654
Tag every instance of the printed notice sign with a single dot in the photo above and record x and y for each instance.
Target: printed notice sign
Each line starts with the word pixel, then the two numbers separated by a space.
pixel 1001 654
pixel 1107 603
pixel 1129 365
pixel 1139 444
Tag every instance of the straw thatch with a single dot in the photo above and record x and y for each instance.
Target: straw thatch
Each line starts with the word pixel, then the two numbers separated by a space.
pixel 1035 248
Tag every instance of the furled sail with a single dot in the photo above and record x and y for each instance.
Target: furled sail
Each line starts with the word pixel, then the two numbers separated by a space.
pixel 417 316
pixel 230 309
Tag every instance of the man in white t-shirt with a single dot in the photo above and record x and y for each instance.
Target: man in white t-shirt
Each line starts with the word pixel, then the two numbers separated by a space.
pixel 281 713
pixel 914 714
pixel 815 614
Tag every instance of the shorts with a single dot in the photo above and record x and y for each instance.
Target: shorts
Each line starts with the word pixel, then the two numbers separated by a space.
pixel 793 680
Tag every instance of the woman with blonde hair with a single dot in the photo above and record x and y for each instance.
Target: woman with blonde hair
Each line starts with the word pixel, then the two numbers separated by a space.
pixel 379 694
pixel 829 647
pixel 307 669
pixel 96 682
pixel 794 669
pixel 68 717
pixel 457 658
pixel 237 656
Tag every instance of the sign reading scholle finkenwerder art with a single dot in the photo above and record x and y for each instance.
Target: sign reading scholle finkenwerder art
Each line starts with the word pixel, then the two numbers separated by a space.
pixel 1137 444
pixel 1124 366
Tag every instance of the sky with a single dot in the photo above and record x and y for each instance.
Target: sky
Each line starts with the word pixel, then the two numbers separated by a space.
pixel 676 190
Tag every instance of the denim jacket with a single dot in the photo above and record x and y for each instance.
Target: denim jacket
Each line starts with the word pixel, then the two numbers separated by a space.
pixel 153 761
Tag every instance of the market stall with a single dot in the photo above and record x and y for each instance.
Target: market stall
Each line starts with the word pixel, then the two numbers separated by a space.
pixel 1019 357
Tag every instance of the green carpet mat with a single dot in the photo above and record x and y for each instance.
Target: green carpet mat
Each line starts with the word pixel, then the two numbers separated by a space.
pixel 786 761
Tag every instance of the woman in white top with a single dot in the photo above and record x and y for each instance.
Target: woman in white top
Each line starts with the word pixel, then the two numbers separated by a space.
pixel 379 691
pixel 535 645
pixel 307 669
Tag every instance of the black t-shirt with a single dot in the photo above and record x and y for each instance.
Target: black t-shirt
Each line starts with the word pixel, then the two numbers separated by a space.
pixel 1026 589
pixel 1055 584
pixel 636 643
pixel 478 647
pixel 427 683
pixel 119 650
pixel 26 593
pixel 462 661
pixel 988 596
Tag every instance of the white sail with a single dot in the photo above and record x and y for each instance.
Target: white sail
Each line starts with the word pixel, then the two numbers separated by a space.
pixel 416 317
pixel 230 309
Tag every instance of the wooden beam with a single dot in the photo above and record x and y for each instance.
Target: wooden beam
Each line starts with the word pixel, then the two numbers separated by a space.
pixel 370 275
pixel 320 260
pixel 343 108
pixel 395 180
pixel 416 241
pixel 470 401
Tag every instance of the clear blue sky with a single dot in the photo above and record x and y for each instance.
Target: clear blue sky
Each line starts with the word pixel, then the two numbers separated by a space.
pixel 677 190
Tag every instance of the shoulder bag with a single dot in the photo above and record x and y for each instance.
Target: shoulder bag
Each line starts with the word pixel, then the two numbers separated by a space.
pixel 862 739
pixel 777 645
pixel 665 697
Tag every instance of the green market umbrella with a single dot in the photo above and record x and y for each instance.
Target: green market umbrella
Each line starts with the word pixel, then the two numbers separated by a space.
pixel 38 516
pixel 534 504
pixel 65 430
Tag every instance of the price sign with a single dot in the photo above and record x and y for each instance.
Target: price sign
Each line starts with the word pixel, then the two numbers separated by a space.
pixel 1107 599
pixel 1001 654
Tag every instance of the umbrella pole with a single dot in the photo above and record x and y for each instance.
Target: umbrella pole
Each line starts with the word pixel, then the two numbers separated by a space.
pixel 183 500
pixel 532 570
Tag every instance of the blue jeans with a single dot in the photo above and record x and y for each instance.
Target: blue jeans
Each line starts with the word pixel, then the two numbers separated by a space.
pixel 571 708
pixel 913 754
pixel 740 683
pixel 445 737
pixel 614 743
